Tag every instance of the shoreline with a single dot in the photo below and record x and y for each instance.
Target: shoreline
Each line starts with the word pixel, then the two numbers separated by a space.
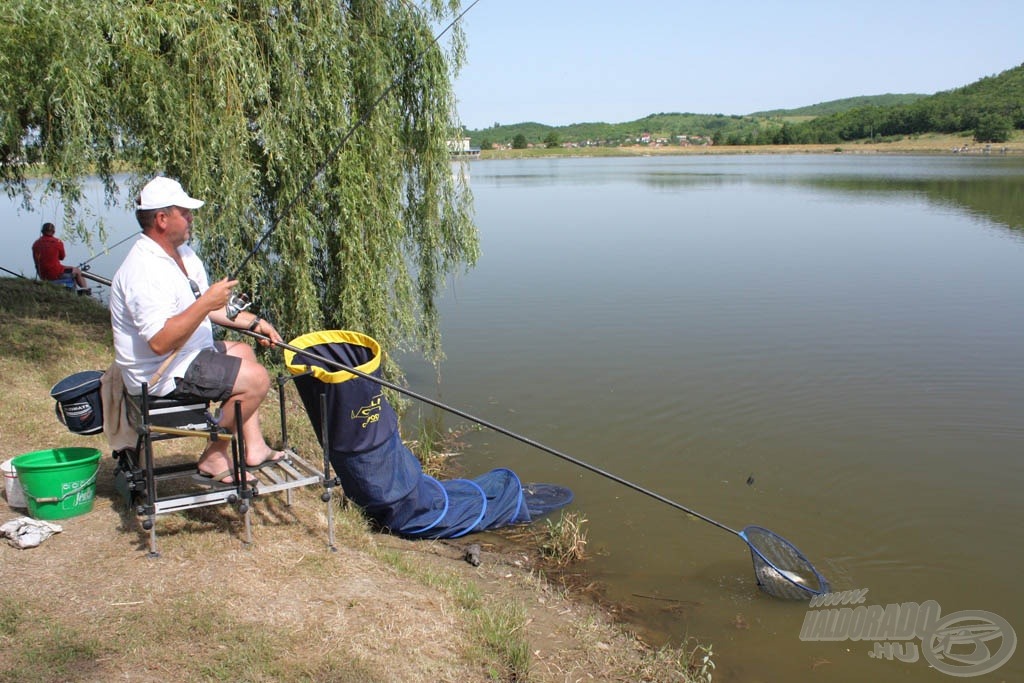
pixel 287 607
pixel 923 145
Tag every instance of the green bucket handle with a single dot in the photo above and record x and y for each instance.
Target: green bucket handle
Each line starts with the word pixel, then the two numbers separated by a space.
pixel 89 482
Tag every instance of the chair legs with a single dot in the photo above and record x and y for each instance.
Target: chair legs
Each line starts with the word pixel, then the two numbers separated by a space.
pixel 151 490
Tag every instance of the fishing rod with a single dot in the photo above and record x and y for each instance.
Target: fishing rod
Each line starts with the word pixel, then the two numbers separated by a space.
pixel 96 278
pixel 84 265
pixel 333 154
pixel 479 420
pixel 85 273
pixel 780 568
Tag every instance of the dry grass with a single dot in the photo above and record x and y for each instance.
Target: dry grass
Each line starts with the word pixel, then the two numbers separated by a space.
pixel 563 542
pixel 89 605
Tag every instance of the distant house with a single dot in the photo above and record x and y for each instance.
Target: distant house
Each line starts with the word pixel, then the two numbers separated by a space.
pixel 462 148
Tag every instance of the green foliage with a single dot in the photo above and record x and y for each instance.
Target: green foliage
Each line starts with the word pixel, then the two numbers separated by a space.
pixel 733 129
pixel 500 630
pixel 993 128
pixel 519 142
pixel 988 103
pixel 994 98
pixel 845 104
pixel 551 140
pixel 247 103
pixel 613 134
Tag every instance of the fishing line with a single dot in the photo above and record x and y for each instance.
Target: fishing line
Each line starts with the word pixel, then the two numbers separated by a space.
pixel 333 154
pixel 106 250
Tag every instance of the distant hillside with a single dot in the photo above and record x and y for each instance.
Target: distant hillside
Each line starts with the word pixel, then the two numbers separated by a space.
pixel 836 106
pixel 992 108
pixel 670 127
pixel 656 126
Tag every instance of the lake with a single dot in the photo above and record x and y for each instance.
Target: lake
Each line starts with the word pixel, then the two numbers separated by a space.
pixel 826 346
pixel 843 332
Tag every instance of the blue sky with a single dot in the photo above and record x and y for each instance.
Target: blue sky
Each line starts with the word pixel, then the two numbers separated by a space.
pixel 568 61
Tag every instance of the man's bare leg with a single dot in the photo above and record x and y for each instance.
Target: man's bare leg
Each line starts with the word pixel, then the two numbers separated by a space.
pixel 251 387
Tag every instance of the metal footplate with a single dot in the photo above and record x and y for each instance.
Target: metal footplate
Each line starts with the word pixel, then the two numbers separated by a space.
pixel 286 474
pixel 289 473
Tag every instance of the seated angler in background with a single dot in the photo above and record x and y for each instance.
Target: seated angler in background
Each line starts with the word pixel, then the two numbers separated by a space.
pixel 162 309
pixel 48 252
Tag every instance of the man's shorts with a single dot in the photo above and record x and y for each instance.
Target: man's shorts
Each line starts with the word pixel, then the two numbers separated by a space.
pixel 211 376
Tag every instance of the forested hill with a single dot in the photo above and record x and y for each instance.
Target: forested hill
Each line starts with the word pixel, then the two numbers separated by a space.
pixel 656 126
pixel 837 106
pixel 990 108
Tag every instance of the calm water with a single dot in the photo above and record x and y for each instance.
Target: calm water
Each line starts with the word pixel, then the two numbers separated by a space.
pixel 844 331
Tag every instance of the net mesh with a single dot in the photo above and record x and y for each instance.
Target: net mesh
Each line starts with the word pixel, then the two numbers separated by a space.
pixel 781 570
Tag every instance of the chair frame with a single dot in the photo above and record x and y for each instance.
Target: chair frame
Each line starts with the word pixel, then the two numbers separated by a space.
pixel 139 479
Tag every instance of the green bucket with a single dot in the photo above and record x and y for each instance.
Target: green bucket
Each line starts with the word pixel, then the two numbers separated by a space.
pixel 59 482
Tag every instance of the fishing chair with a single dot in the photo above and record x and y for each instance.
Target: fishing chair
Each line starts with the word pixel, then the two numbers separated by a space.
pixel 67 281
pixel 153 490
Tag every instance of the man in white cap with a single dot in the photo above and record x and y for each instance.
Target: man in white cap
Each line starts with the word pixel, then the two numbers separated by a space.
pixel 162 308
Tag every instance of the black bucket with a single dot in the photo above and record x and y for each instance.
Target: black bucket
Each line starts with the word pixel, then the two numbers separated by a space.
pixel 79 406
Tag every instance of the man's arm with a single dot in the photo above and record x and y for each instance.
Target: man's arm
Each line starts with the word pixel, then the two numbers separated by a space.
pixel 247 321
pixel 180 327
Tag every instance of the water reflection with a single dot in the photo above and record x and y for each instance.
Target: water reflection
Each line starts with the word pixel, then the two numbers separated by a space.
pixel 990 188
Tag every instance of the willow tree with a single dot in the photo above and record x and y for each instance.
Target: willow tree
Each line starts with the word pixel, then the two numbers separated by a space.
pixel 320 125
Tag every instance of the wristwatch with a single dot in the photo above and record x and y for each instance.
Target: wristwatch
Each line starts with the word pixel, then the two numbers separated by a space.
pixel 255 323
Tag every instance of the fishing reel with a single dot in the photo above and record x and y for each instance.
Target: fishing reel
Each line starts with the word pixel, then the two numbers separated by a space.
pixel 238 302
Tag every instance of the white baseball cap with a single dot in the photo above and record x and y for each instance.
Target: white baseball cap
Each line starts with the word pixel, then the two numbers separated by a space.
pixel 161 192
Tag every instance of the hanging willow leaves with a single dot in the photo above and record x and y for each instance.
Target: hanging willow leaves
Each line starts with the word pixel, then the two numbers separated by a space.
pixel 245 101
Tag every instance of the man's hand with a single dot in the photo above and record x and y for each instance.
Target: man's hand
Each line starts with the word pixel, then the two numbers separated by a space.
pixel 267 330
pixel 179 328
pixel 216 297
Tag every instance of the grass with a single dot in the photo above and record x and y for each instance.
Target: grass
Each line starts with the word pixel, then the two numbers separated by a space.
pixel 498 625
pixel 500 631
pixel 87 605
pixel 432 445
pixel 563 542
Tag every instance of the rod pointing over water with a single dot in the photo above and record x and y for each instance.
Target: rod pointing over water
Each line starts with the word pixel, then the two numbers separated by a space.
pixel 105 250
pixel 490 425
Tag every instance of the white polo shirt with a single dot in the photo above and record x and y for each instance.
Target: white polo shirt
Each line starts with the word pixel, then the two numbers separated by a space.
pixel 147 290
